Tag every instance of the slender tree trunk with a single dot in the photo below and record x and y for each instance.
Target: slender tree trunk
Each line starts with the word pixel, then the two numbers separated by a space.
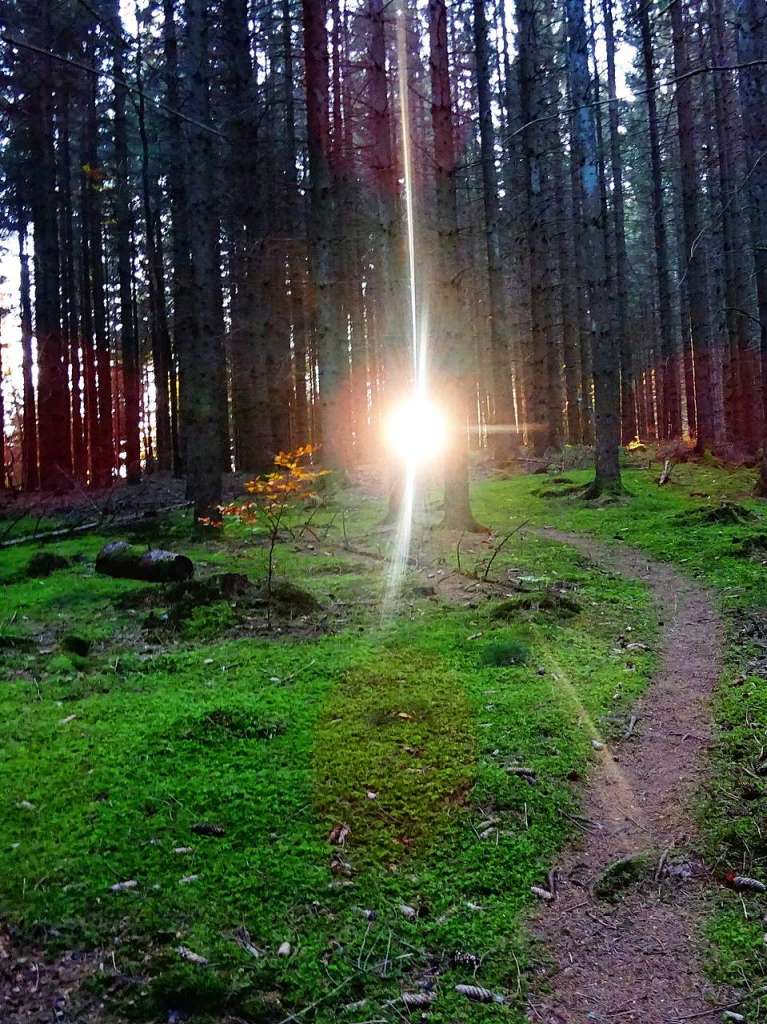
pixel 296 267
pixel 752 47
pixel 128 339
pixel 101 453
pixel 326 330
pixel 671 425
pixel 53 393
pixel 538 380
pixel 697 282
pixel 29 477
pixel 503 442
pixel 179 215
pixel 453 360
pixel 606 383
pixel 158 322
pixel 739 385
pixel 200 393
pixel 628 417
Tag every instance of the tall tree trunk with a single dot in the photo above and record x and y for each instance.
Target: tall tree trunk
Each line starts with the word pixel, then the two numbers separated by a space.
pixel 752 47
pixel 198 354
pixel 503 441
pixel 53 394
pixel 453 360
pixel 101 450
pixel 158 322
pixel 606 383
pixel 179 214
pixel 537 377
pixel 740 389
pixel 29 476
pixel 671 424
pixel 128 338
pixel 251 415
pixel 697 282
pixel 326 330
pixel 628 417
pixel 296 263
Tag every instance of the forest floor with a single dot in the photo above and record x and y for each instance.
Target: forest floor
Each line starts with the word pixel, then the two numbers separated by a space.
pixel 339 817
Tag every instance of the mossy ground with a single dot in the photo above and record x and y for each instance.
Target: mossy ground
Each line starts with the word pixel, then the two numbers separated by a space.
pixel 400 730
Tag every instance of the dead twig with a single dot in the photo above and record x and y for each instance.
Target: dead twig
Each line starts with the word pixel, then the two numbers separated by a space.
pixel 500 546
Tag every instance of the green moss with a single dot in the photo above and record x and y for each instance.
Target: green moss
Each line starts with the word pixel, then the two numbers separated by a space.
pixel 401 731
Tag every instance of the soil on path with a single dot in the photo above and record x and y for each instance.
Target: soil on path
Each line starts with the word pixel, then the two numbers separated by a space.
pixel 637 959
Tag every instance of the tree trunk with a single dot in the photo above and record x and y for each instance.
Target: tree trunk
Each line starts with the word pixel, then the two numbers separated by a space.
pixel 198 350
pixel 453 360
pixel 606 383
pixel 29 477
pixel 179 215
pixel 504 439
pixel 697 283
pixel 128 338
pixel 752 47
pixel 101 450
pixel 671 424
pixel 628 417
pixel 539 384
pixel 326 330
pixel 53 394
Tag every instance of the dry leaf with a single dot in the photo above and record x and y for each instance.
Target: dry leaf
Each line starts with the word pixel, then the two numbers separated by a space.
pixel 339 834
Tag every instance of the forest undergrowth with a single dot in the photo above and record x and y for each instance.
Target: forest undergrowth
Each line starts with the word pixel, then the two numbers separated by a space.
pixel 264 822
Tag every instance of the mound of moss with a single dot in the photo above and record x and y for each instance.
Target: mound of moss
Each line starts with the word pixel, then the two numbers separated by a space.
pixel 551 602
pixel 726 513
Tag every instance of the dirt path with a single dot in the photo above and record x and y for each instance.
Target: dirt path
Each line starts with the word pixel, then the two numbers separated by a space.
pixel 636 960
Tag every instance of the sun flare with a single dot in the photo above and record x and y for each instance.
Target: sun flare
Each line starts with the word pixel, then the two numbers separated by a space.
pixel 416 430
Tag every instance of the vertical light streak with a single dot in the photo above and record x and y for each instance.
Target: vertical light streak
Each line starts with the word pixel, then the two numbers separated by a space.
pixel 418 346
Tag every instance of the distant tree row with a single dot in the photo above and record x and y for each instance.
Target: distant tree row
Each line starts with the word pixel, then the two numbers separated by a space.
pixel 207 207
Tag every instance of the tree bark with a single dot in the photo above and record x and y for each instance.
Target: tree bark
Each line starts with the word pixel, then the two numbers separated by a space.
pixel 53 394
pixel 198 350
pixel 453 360
pixel 128 338
pixel 326 330
pixel 628 417
pixel 671 424
pixel 752 46
pixel 695 269
pixel 504 439
pixel 29 476
pixel 606 383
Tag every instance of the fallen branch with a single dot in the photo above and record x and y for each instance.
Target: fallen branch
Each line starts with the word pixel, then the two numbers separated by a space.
pixel 122 561
pixel 66 531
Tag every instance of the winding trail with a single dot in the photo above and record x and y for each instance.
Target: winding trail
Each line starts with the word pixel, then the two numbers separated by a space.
pixel 637 960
